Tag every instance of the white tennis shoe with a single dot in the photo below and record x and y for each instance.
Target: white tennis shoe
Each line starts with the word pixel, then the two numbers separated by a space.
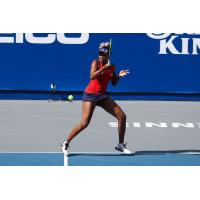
pixel 65 147
pixel 122 148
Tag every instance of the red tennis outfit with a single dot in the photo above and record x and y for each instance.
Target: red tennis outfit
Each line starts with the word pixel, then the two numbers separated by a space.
pixel 99 85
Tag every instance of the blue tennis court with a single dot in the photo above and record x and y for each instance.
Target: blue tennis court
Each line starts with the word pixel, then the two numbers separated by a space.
pixel 31 159
pixel 100 159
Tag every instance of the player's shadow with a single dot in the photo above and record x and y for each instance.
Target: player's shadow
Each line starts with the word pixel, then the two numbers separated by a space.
pixel 98 154
pixel 193 152
pixel 156 152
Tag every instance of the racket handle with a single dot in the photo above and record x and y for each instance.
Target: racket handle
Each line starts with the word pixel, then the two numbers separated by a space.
pixel 109 62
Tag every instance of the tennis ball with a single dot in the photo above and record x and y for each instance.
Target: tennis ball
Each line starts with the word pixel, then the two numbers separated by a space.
pixel 70 97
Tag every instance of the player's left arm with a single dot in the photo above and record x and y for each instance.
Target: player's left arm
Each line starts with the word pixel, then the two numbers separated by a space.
pixel 115 77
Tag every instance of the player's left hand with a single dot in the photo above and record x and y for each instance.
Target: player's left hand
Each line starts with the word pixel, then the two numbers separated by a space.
pixel 123 73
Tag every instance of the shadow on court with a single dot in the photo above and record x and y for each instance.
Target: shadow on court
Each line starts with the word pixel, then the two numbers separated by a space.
pixel 167 152
pixel 193 152
pixel 139 158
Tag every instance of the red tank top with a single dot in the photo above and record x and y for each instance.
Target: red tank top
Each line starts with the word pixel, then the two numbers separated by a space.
pixel 100 84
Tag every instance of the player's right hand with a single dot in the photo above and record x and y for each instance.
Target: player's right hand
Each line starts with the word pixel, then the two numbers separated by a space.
pixel 107 66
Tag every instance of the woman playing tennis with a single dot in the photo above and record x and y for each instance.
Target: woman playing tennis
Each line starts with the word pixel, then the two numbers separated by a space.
pixel 101 73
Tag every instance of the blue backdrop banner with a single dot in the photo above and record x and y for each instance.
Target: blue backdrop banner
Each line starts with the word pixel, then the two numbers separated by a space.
pixel 162 63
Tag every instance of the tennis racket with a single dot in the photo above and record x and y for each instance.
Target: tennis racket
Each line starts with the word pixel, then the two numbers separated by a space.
pixel 110 50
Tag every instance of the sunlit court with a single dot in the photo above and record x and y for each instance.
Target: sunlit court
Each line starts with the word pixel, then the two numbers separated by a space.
pixel 104 99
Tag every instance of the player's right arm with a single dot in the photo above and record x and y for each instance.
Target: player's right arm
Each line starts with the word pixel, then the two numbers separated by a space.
pixel 95 71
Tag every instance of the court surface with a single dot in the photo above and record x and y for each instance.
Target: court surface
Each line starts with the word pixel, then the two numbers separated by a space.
pixel 162 133
pixel 99 159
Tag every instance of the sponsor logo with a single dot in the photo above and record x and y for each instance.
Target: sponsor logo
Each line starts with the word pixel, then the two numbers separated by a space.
pixel 177 43
pixel 157 125
pixel 43 38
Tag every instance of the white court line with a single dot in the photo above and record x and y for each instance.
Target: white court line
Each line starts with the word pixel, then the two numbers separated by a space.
pixel 65 160
pixel 58 152
pixel 34 152
pixel 82 152
pixel 112 153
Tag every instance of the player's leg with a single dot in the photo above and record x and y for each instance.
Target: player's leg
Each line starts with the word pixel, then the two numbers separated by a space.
pixel 87 111
pixel 114 109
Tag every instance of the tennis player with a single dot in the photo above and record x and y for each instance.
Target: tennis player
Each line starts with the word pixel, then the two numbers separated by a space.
pixel 101 73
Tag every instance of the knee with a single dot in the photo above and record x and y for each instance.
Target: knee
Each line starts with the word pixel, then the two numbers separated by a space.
pixel 122 117
pixel 84 124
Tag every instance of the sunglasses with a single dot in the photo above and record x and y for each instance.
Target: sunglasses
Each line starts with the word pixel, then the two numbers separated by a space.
pixel 102 54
